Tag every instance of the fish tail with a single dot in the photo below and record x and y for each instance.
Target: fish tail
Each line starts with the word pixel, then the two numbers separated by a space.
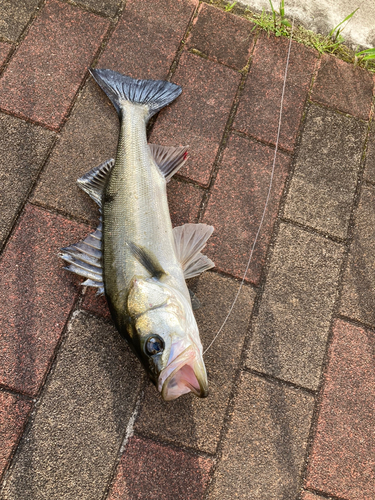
pixel 154 93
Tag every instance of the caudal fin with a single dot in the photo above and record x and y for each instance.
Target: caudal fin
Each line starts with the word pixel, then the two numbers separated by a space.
pixel 154 93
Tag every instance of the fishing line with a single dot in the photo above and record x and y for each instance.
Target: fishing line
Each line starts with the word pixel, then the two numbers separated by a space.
pixel 267 198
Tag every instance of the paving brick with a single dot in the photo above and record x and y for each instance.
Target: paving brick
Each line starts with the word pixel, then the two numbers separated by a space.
pixel 152 471
pixel 198 117
pixel 236 206
pixel 24 148
pixel 306 495
pixel 358 294
pixel 222 36
pixel 147 37
pixel 198 422
pixel 76 434
pixel 36 297
pixel 45 73
pixel 342 457
pixel 15 16
pixel 95 304
pixel 264 450
pixel 5 48
pixel 342 86
pixel 88 139
pixel 184 202
pixel 323 185
pixel 290 332
pixel 106 7
pixel 13 415
pixel 259 108
pixel 369 173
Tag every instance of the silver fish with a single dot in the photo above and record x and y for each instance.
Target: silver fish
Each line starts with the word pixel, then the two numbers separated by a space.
pixel 134 256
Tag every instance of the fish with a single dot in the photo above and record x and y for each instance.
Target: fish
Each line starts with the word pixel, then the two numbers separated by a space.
pixel 134 257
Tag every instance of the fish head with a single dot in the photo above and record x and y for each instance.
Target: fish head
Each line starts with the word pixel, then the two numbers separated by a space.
pixel 166 338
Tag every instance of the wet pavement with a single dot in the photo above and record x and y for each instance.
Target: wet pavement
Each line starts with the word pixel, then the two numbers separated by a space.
pixel 292 375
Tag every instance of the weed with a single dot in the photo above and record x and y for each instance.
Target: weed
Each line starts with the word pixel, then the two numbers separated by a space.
pixel 365 58
pixel 229 7
pixel 272 23
pixel 335 32
pixel 366 55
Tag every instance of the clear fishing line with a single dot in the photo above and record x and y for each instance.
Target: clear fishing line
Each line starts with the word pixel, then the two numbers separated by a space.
pixel 267 198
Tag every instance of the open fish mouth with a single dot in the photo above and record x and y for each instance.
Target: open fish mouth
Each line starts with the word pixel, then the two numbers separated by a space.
pixel 186 373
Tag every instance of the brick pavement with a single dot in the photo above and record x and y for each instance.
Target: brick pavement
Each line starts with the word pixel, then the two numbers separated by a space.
pixel 292 403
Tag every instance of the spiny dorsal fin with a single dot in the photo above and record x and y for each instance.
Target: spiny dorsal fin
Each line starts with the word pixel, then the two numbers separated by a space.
pixel 85 259
pixel 169 159
pixel 190 239
pixel 147 259
pixel 93 183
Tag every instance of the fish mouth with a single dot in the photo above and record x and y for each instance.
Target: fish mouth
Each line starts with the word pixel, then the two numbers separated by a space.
pixel 186 373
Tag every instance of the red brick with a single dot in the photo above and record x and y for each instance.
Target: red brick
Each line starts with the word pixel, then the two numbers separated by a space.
pixel 198 117
pixel 306 495
pixel 236 205
pixel 5 48
pixel 36 297
pixel 13 415
pixel 147 37
pixel 152 471
pixel 342 86
pixel 342 460
pixel 184 201
pixel 259 108
pixel 47 69
pixel 222 36
pixel 96 304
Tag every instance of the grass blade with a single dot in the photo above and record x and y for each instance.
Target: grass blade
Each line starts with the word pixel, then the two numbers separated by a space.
pixel 368 54
pixel 342 22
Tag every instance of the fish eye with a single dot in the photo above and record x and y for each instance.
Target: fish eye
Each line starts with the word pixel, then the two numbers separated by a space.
pixel 154 345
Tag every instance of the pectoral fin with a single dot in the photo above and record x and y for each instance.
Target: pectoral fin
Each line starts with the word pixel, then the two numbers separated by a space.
pixel 190 239
pixel 195 302
pixel 147 259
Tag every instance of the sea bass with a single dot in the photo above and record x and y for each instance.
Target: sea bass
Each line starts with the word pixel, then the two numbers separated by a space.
pixel 134 256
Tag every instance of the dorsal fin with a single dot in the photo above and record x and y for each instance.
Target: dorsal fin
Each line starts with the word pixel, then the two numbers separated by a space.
pixel 169 159
pixel 93 182
pixel 85 259
pixel 190 239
